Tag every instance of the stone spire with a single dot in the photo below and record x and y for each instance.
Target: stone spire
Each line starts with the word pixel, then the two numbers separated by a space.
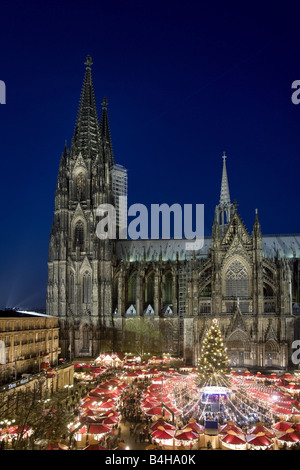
pixel 225 195
pixel 256 233
pixel 105 134
pixel 87 133
pixel 225 208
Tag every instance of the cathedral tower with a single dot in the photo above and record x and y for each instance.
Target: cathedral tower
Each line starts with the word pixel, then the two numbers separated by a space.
pixel 79 289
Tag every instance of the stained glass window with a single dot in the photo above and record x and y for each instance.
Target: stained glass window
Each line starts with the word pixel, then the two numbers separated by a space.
pixel 236 280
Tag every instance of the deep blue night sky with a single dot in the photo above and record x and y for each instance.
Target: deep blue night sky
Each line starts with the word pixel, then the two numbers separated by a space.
pixel 184 81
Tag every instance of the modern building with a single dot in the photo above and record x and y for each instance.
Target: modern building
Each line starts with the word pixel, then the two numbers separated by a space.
pixel 247 280
pixel 119 182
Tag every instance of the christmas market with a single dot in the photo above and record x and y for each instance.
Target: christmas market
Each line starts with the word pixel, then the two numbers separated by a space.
pixel 211 406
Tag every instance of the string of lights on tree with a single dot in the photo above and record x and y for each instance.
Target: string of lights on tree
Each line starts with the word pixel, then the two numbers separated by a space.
pixel 213 359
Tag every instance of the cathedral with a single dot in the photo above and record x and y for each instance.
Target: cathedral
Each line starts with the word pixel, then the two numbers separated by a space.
pixel 98 288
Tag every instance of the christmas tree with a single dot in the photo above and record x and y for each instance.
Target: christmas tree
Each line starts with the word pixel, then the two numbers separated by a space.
pixel 213 360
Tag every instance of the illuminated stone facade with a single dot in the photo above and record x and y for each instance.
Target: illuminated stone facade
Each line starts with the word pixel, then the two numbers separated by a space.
pixel 247 281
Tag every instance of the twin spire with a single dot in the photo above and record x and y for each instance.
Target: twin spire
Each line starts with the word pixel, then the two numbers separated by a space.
pixel 90 136
pixel 225 208
pixel 225 195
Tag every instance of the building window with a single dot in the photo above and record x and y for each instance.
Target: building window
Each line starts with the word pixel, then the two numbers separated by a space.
pixel 236 280
pixel 87 288
pixel 132 289
pixel 79 235
pixel 149 297
pixel 168 289
pixel 80 187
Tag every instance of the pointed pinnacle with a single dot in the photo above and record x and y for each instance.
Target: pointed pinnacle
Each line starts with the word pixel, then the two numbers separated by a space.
pixel 224 196
pixel 88 61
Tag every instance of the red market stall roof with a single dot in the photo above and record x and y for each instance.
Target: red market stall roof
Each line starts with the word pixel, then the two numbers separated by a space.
pixel 273 377
pixel 259 441
pixel 97 370
pixel 82 430
pixel 288 376
pixel 230 427
pixel 101 390
pixel 233 439
pixel 107 404
pixel 114 381
pixel 157 396
pixel 99 428
pixel 157 378
pixel 110 420
pixel 154 372
pixel 186 435
pixel 292 386
pixel 154 387
pixel 150 403
pixel 259 375
pixel 246 374
pixel 164 424
pixel 111 394
pixel 195 427
pixel 161 433
pixel 133 374
pixel 261 429
pixel 282 426
pixel 89 403
pixel 292 436
pixel 92 398
pixel 157 411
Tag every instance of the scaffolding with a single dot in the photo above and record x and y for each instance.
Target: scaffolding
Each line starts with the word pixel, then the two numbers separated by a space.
pixel 184 276
pixel 181 306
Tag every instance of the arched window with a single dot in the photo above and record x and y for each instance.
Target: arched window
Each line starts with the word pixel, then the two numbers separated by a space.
pixel 80 187
pixel 236 280
pixel 132 289
pixel 168 289
pixel 87 288
pixel 149 294
pixel 79 235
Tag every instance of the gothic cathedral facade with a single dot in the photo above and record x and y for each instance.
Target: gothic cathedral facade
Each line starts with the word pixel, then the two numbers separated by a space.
pixel 249 282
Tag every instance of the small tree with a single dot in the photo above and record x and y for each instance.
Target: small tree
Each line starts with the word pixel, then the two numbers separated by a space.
pixel 213 360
